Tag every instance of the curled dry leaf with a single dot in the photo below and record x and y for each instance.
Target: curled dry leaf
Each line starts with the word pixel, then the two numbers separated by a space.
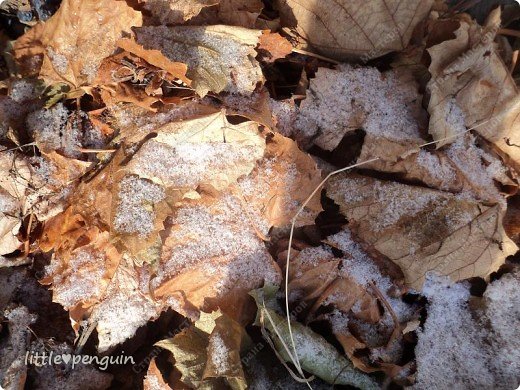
pixel 219 58
pixel 208 352
pixel 38 185
pixel 77 38
pixel 176 70
pixel 468 75
pixel 424 230
pixel 316 356
pixel 121 77
pixel 353 30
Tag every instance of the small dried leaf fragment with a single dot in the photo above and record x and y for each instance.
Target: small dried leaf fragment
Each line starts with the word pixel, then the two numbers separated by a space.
pixel 79 36
pixel 424 230
pixel 274 45
pixel 219 58
pixel 348 30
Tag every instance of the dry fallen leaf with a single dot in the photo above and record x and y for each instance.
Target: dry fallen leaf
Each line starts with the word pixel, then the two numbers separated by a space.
pixel 275 46
pixel 208 352
pixel 471 84
pixel 154 379
pixel 424 230
pixel 342 100
pixel 351 30
pixel 219 58
pixel 78 37
pixel 176 11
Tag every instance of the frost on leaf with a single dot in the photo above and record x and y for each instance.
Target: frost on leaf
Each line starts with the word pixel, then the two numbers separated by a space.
pixel 211 255
pixel 281 182
pixel 343 100
pixel 468 75
pixel 424 230
pixel 346 29
pixel 219 58
pixel 187 211
pixel 206 151
pixel 208 351
pixel 79 36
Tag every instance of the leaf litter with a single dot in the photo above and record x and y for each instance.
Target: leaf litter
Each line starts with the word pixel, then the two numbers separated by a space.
pixel 162 163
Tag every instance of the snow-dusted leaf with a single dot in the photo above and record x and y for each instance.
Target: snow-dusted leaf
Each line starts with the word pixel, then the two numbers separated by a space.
pixel 205 151
pixel 207 351
pixel 281 182
pixel 424 230
pixel 316 355
pixel 79 36
pixel 470 79
pixel 469 344
pixel 367 309
pixel 219 58
pixel 346 29
pixel 211 255
pixel 343 100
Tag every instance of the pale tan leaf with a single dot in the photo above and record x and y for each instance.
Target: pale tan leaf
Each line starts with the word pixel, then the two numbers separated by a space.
pixel 206 151
pixel 471 85
pixel 424 230
pixel 346 29
pixel 177 11
pixel 219 58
